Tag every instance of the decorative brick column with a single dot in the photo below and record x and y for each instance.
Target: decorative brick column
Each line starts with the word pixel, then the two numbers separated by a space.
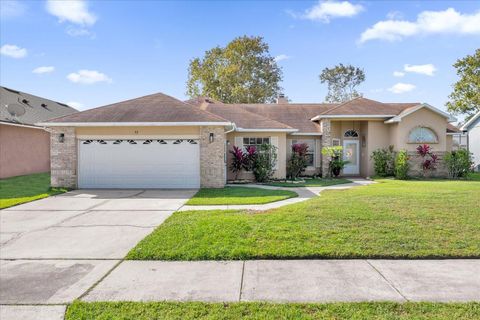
pixel 212 161
pixel 326 142
pixel 63 157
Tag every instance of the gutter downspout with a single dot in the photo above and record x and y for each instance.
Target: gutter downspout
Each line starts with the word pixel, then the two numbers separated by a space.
pixel 234 127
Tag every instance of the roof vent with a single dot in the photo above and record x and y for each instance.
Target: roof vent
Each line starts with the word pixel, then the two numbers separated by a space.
pixel 282 99
pixel 11 90
pixel 63 104
pixel 44 105
pixel 25 101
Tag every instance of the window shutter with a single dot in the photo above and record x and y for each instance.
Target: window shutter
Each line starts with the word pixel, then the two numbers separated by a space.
pixel 274 142
pixel 239 142
pixel 318 152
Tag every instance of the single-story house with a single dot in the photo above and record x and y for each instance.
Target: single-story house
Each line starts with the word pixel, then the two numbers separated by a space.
pixel 158 141
pixel 25 147
pixel 472 129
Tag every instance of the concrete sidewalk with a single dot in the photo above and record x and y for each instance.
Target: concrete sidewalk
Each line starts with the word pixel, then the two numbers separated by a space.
pixel 304 193
pixel 292 281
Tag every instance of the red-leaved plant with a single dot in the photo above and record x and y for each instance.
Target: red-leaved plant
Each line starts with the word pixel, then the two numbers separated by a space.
pixel 250 154
pixel 429 159
pixel 238 160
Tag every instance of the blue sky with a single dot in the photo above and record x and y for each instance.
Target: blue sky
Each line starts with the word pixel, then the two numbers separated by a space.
pixel 98 52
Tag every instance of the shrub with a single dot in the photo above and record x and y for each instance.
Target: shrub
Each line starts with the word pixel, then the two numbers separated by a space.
pixel 459 163
pixel 401 165
pixel 238 161
pixel 429 159
pixel 336 163
pixel 298 160
pixel 264 162
pixel 384 162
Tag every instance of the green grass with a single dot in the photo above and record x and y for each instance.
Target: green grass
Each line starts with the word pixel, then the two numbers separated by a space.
pixel 310 183
pixel 21 189
pixel 239 195
pixel 337 311
pixel 389 219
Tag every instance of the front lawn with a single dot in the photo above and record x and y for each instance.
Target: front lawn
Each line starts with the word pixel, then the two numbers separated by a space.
pixel 238 195
pixel 388 219
pixel 338 311
pixel 310 183
pixel 21 189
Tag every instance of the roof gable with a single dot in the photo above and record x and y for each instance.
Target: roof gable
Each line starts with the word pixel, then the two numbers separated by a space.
pixel 154 108
pixel 413 109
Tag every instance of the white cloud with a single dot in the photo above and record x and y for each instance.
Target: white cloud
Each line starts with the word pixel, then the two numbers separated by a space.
pixel 88 77
pixel 74 11
pixel 398 74
pixel 13 51
pixel 426 69
pixel 76 105
pixel 395 15
pixel 448 21
pixel 281 57
pixel 401 87
pixel 324 11
pixel 78 32
pixel 41 70
pixel 11 9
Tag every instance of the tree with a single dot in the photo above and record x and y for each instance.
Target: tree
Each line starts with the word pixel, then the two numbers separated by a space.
pixel 465 97
pixel 242 72
pixel 342 81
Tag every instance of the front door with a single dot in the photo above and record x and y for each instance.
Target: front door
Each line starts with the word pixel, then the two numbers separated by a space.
pixel 351 154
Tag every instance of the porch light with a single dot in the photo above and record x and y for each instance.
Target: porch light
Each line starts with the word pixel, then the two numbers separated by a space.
pixel 210 137
pixel 61 137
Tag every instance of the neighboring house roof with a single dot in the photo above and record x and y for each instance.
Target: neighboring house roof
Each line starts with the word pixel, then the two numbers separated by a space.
pixel 452 129
pixel 470 122
pixel 26 109
pixel 154 109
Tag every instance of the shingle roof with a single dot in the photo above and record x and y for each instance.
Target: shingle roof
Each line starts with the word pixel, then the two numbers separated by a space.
pixel 452 129
pixel 156 107
pixel 36 109
pixel 364 106
pixel 244 119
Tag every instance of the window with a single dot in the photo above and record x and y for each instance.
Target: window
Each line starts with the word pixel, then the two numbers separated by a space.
pixel 351 134
pixel 310 151
pixel 255 142
pixel 422 135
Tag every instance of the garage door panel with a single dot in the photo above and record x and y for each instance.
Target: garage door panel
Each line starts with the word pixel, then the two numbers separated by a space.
pixel 139 165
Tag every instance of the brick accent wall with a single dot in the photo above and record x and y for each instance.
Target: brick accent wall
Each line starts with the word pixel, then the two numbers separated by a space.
pixel 212 161
pixel 63 157
pixel 326 126
pixel 415 169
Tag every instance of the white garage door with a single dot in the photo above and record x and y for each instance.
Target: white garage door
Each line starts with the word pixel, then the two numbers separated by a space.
pixel 139 164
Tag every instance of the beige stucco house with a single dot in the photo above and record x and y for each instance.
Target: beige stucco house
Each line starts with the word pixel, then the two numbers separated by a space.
pixel 158 141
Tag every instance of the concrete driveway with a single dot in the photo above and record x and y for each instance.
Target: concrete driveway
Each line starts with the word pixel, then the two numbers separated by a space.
pixel 52 250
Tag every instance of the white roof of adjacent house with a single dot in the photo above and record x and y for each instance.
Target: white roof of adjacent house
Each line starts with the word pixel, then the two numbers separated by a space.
pixel 470 122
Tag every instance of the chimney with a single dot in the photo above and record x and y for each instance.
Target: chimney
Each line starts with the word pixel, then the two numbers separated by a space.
pixel 282 99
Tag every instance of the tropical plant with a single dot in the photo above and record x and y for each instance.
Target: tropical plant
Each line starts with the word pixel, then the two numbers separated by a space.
pixel 238 160
pixel 384 161
pixel 459 163
pixel 250 155
pixel 336 162
pixel 342 81
pixel 264 162
pixel 242 72
pixel 298 160
pixel 401 165
pixel 429 159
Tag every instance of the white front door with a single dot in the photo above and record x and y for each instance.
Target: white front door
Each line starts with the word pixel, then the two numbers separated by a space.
pixel 352 155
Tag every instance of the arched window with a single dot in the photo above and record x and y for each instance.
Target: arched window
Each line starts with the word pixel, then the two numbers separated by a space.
pixel 422 135
pixel 351 134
